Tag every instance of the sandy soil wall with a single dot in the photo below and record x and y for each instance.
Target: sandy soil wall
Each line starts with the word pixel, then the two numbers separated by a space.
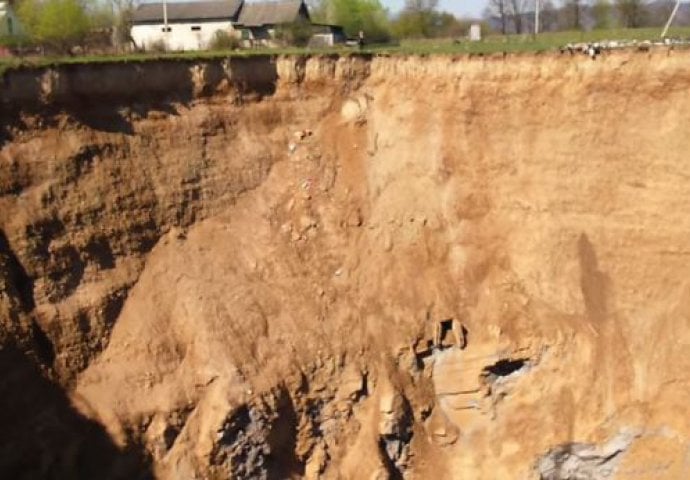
pixel 386 267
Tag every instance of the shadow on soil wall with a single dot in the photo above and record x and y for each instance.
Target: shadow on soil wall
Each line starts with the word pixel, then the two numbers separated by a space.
pixel 43 436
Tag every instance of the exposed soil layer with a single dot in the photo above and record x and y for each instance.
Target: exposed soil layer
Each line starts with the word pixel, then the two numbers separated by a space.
pixel 347 268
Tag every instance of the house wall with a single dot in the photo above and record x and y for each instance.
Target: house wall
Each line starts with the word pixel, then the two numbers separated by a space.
pixel 181 36
pixel 9 23
pixel 322 40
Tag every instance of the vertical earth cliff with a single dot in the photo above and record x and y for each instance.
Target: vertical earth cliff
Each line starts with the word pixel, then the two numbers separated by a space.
pixel 351 267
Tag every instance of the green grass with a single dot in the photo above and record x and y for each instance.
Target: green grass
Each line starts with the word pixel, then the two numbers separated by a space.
pixel 48 61
pixel 528 43
pixel 491 44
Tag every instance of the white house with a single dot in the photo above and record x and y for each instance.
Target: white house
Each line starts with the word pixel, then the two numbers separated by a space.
pixel 9 24
pixel 192 25
pixel 183 25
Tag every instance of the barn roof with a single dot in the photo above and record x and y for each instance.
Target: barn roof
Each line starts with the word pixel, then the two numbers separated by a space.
pixel 271 13
pixel 180 11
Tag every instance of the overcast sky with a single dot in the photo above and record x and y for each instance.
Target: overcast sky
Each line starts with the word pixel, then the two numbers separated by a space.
pixel 458 7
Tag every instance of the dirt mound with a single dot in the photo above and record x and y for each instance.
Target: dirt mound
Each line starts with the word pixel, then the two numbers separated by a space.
pixel 359 268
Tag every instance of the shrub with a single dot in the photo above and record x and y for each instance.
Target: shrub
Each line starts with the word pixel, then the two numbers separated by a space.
pixel 159 46
pixel 222 40
pixel 12 41
pixel 296 33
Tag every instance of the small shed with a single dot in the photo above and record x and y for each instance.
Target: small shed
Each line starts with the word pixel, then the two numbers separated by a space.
pixel 325 35
pixel 475 32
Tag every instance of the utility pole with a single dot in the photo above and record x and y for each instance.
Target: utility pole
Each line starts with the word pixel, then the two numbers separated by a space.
pixel 670 19
pixel 165 16
pixel 537 7
pixel 165 23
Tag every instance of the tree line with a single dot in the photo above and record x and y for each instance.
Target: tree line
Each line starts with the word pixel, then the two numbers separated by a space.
pixel 517 16
pixel 418 19
pixel 61 24
pixel 423 19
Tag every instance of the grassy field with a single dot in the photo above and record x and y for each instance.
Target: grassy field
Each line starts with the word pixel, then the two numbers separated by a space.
pixel 530 43
pixel 490 44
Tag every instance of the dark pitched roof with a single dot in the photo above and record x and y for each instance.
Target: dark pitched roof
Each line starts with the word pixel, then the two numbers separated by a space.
pixel 178 11
pixel 271 13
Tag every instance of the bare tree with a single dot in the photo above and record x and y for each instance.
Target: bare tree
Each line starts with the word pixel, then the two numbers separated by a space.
pixel 632 13
pixel 421 5
pixel 572 14
pixel 516 10
pixel 548 16
pixel 498 9
pixel 659 11
pixel 122 21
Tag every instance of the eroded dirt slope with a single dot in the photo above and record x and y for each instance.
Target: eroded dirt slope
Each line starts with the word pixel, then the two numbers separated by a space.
pixel 370 268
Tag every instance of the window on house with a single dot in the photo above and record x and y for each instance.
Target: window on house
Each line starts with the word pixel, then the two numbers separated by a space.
pixel 166 29
pixel 196 28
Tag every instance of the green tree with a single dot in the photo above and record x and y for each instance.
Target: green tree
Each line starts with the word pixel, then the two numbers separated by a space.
pixel 354 16
pixel 418 19
pixel 448 25
pixel 601 12
pixel 56 24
